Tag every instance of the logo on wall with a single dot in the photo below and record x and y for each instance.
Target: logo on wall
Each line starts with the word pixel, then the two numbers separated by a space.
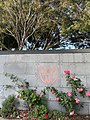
pixel 48 75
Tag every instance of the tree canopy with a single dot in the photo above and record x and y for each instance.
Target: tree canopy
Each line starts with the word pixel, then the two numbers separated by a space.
pixel 45 24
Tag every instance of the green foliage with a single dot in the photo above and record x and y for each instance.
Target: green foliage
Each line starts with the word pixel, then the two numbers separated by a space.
pixel 9 107
pixel 37 108
pixel 0 112
pixel 39 19
pixel 39 112
pixel 56 115
pixel 16 82
pixel 76 83
pixel 69 100
pixel 30 96
pixel 36 102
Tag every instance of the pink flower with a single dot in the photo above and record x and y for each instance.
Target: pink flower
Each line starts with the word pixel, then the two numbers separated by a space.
pixel 53 91
pixel 69 94
pixel 40 95
pixel 73 76
pixel 46 116
pixel 88 93
pixel 80 89
pixel 67 72
pixel 18 96
pixel 57 99
pixel 77 100
pixel 72 113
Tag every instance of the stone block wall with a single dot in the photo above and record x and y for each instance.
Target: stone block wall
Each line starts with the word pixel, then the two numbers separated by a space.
pixel 45 69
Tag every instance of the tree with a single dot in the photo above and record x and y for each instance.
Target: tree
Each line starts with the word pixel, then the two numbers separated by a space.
pixel 43 23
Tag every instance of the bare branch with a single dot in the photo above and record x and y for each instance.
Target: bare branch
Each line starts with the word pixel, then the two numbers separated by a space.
pixel 31 33
pixel 11 33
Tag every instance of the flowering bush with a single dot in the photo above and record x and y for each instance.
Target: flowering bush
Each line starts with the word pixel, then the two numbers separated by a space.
pixel 76 85
pixel 35 105
pixel 69 100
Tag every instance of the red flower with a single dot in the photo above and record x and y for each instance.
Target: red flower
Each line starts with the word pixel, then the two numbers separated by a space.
pixel 46 116
pixel 36 110
pixel 67 72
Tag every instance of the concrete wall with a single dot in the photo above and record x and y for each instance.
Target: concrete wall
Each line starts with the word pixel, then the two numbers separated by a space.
pixel 36 67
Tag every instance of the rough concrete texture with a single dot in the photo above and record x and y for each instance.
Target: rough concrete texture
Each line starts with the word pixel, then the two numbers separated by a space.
pixel 42 70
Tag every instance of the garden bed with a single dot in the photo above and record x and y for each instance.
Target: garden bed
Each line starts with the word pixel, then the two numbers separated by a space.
pixel 76 117
pixel 81 117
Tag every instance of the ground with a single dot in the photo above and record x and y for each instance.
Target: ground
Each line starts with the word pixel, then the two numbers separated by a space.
pixel 80 117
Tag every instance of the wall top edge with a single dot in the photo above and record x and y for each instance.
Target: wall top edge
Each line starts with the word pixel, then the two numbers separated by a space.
pixel 46 52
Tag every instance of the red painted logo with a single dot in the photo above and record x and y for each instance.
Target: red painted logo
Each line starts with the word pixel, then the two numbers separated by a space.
pixel 48 75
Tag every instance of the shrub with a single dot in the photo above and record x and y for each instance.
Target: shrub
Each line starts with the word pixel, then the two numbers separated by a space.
pixel 37 108
pixel 9 107
pixel 33 100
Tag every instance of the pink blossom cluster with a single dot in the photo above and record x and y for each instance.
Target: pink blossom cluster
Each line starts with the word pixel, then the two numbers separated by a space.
pixel 67 72
pixel 72 77
pixel 80 89
pixel 69 94
pixel 40 95
pixel 77 100
pixel 88 93
pixel 57 99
